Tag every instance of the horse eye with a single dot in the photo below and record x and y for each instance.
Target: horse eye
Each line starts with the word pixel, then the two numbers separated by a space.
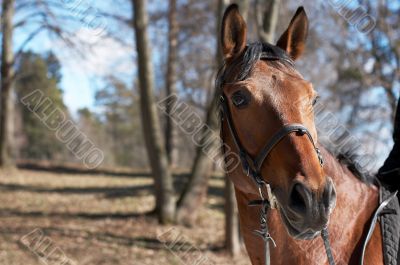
pixel 315 100
pixel 239 99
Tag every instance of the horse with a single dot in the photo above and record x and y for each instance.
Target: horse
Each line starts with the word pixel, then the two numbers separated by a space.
pixel 268 122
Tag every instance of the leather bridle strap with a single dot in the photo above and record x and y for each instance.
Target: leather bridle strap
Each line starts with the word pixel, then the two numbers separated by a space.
pixel 328 250
pixel 282 133
pixel 243 155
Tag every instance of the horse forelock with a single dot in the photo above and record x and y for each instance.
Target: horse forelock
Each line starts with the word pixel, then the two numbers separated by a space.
pixel 242 66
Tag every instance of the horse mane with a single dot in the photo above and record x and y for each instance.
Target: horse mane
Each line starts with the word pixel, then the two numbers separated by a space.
pixel 243 65
pixel 350 160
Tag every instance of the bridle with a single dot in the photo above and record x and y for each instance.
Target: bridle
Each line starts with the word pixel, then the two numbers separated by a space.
pixel 252 166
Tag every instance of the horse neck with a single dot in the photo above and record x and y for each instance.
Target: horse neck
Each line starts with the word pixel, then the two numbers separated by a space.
pixel 351 191
pixel 356 202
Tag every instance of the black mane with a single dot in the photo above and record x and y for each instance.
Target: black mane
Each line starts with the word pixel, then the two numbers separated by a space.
pixel 349 160
pixel 244 64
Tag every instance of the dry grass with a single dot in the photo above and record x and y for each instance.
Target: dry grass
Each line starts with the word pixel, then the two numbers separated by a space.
pixel 101 219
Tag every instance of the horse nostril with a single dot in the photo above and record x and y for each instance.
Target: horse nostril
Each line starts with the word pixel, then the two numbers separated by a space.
pixel 299 198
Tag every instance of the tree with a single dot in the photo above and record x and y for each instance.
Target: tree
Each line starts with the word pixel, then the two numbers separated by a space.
pixel 171 79
pixel 267 14
pixel 364 55
pixel 193 196
pixel 117 124
pixel 7 76
pixel 36 16
pixel 37 73
pixel 165 204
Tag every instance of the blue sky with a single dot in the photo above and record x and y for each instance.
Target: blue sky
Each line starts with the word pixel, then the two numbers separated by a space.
pixel 102 55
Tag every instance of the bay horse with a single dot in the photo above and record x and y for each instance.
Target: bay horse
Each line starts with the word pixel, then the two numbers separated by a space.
pixel 265 98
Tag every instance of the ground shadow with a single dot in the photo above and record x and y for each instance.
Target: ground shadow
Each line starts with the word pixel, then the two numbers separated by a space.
pixel 106 192
pixel 61 169
pixel 6 212
pixel 174 243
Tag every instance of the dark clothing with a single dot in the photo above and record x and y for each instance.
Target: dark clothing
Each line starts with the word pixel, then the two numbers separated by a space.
pixel 389 176
pixel 396 131
pixel 389 173
pixel 390 228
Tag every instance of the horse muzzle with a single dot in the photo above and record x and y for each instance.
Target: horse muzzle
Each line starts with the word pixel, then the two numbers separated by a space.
pixel 306 212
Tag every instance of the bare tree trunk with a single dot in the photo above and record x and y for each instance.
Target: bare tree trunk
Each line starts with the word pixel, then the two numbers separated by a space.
pixel 244 6
pixel 392 99
pixel 195 192
pixel 232 235
pixel 171 78
pixel 165 204
pixel 267 18
pixel 7 76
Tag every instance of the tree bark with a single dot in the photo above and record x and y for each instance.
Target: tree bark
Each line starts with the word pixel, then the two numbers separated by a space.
pixel 171 78
pixel 244 6
pixel 164 192
pixel 267 15
pixel 232 235
pixel 7 76
pixel 194 194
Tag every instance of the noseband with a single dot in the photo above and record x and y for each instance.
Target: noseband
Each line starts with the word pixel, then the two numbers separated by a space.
pixel 252 166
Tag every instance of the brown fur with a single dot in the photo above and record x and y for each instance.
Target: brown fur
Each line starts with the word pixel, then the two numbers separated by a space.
pixel 279 96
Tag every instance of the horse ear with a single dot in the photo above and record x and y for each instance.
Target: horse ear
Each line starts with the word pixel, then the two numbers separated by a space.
pixel 233 32
pixel 293 40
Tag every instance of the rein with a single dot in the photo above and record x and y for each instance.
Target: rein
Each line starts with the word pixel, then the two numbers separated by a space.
pixel 252 167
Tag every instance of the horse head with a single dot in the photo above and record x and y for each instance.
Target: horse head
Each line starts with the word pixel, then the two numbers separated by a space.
pixel 266 98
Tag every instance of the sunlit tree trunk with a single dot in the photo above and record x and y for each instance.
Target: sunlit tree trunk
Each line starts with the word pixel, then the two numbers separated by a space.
pixel 171 78
pixel 267 14
pixel 165 204
pixel 232 235
pixel 7 76
pixel 194 194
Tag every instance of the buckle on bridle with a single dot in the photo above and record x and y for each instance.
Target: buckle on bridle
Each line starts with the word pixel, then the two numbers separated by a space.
pixel 301 131
pixel 270 196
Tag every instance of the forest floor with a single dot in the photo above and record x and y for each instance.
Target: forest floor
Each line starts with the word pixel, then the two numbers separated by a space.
pixel 70 219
